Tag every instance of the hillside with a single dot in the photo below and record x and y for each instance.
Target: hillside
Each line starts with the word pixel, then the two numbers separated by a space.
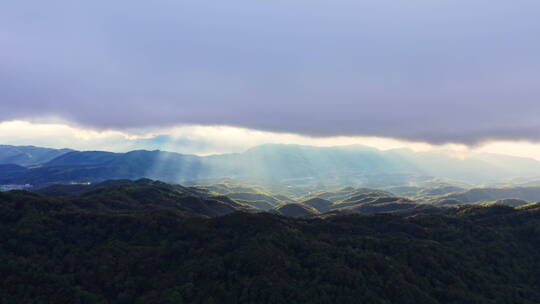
pixel 146 193
pixel 111 246
pixel 512 202
pixel 369 201
pixel 346 193
pixel 141 195
pixel 477 195
pixel 319 204
pixel 12 170
pixel 296 210
pixel 343 200
pixel 28 155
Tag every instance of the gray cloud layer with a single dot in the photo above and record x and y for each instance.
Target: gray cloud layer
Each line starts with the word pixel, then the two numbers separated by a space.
pixel 437 71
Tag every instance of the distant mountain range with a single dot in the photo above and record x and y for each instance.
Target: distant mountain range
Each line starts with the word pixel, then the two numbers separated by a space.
pixel 292 164
pixel 28 155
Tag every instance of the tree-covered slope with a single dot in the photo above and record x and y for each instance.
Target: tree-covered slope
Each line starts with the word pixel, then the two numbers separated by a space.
pixel 319 204
pixel 477 195
pixel 141 195
pixel 296 210
pixel 55 251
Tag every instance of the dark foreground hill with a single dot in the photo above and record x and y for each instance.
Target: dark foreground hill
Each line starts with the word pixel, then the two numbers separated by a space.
pixel 296 210
pixel 55 250
pixel 144 195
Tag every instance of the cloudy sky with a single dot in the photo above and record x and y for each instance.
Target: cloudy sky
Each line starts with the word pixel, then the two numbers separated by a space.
pixel 205 76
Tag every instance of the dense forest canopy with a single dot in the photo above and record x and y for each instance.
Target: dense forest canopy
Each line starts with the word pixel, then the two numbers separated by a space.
pixel 139 243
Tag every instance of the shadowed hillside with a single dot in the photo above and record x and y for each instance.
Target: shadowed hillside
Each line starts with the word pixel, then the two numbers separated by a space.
pixel 145 195
pixel 319 204
pixel 296 210
pixel 146 244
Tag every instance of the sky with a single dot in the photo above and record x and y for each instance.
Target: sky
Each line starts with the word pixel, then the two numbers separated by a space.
pixel 204 76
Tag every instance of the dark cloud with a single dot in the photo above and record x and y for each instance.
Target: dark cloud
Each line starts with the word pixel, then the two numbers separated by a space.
pixel 439 71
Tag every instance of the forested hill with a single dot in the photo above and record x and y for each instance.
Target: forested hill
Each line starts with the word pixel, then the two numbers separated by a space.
pixel 56 251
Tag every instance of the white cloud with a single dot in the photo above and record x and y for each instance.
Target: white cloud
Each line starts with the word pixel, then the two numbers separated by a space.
pixel 203 140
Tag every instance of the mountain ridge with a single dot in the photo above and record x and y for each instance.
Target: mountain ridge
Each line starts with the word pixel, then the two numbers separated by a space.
pixel 294 164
